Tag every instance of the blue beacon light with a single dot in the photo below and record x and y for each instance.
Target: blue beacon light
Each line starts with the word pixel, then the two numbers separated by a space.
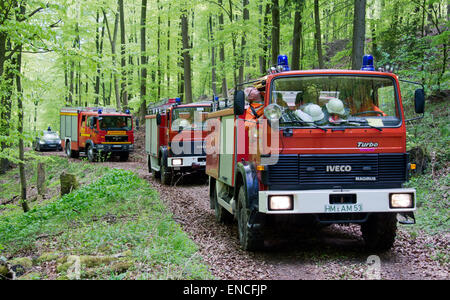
pixel 283 62
pixel 368 64
pixel 178 100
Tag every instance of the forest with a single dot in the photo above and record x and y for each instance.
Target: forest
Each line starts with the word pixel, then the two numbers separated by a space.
pixel 129 54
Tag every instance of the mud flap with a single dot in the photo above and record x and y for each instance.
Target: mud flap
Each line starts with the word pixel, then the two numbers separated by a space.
pixel 406 218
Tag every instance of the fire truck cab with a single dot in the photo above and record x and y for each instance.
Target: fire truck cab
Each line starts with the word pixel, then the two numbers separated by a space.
pixel 96 131
pixel 174 138
pixel 330 148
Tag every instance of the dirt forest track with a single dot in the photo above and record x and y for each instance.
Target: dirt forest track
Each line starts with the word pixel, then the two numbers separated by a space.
pixel 335 252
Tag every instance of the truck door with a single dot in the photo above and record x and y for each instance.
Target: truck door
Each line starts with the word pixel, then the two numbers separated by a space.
pixel 83 131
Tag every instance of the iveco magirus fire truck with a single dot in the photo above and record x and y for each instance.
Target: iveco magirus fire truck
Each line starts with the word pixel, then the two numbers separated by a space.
pixel 174 138
pixel 96 131
pixel 329 148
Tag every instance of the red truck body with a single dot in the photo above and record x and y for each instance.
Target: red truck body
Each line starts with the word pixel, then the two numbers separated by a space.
pixel 327 170
pixel 175 137
pixel 96 131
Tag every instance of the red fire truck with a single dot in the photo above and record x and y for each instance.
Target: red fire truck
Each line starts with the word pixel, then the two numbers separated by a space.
pixel 330 148
pixel 174 138
pixel 96 131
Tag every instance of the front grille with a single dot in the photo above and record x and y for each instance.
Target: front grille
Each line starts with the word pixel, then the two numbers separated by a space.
pixel 337 171
pixel 188 148
pixel 116 138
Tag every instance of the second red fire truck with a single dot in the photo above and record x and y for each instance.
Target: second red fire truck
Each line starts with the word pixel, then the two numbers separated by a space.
pixel 175 138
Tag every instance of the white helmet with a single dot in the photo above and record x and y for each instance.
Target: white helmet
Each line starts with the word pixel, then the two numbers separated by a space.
pixel 314 111
pixel 303 116
pixel 335 106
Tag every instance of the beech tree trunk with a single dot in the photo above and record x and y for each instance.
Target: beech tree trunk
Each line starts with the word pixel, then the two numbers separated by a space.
pixel 186 57
pixel 275 31
pixel 318 34
pixel 359 33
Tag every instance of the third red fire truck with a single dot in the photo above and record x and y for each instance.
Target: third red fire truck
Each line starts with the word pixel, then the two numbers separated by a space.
pixel 330 148
pixel 96 131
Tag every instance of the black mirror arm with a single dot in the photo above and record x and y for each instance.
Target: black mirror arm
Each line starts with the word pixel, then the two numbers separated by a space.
pixel 416 118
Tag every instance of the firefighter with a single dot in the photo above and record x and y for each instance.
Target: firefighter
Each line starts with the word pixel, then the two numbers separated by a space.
pixel 256 107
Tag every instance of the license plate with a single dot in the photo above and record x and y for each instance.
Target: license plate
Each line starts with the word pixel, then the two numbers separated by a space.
pixel 343 208
pixel 117 146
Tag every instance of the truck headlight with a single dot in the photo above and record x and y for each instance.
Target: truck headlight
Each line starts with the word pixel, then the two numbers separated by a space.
pixel 177 162
pixel 401 200
pixel 281 202
pixel 273 112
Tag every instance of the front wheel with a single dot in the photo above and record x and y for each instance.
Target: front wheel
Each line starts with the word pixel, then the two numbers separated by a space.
pixel 379 232
pixel 91 154
pixel 166 174
pixel 250 236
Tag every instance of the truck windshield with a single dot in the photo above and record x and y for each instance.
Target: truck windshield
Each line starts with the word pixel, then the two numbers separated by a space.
pixel 190 118
pixel 338 100
pixel 115 123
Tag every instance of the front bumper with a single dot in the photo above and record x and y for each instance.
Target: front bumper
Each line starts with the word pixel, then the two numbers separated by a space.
pixel 114 147
pixel 186 161
pixel 320 201
pixel 50 146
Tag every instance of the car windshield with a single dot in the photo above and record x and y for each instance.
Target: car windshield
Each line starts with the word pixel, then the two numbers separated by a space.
pixel 51 135
pixel 115 123
pixel 190 118
pixel 347 101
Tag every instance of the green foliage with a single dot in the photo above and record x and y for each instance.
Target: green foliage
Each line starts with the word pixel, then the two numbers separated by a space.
pixel 118 212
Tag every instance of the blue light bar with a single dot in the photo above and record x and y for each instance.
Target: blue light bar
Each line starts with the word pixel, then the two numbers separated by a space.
pixel 127 111
pixel 100 111
pixel 368 64
pixel 283 62
pixel 178 100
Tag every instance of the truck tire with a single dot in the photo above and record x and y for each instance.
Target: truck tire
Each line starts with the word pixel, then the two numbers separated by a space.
pixel 92 157
pixel 69 152
pixel 250 238
pixel 166 174
pixel 124 156
pixel 379 231
pixel 221 214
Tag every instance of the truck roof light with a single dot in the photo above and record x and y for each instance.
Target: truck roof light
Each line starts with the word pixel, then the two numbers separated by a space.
pixel 127 111
pixel 178 100
pixel 283 62
pixel 100 111
pixel 368 64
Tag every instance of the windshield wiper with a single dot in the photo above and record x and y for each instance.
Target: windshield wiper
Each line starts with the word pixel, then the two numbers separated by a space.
pixel 306 123
pixel 364 122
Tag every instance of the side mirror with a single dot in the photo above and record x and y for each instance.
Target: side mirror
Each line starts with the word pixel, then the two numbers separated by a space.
pixel 158 119
pixel 239 103
pixel 419 101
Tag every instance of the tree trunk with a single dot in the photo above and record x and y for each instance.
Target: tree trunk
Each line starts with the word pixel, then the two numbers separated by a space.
pixel 113 41
pixel 222 58
pixel 243 55
pixel 23 181
pixel 41 187
pixel 213 58
pixel 143 84
pixel 359 33
pixel 297 36
pixel 123 57
pixel 318 34
pixel 275 31
pixel 186 57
